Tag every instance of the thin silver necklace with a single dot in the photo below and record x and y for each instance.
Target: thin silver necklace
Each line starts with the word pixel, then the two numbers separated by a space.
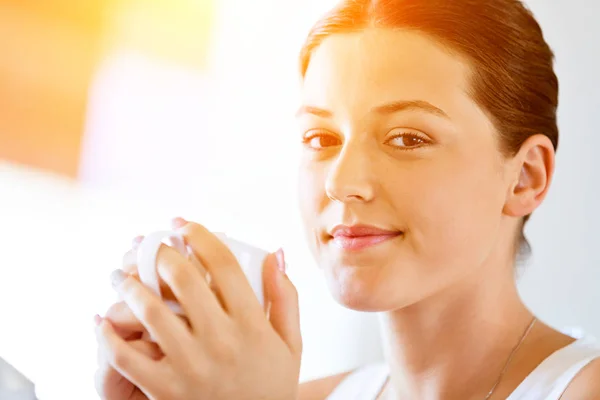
pixel 506 364
pixel 510 357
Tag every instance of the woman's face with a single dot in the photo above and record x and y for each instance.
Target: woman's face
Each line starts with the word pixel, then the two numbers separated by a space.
pixel 393 141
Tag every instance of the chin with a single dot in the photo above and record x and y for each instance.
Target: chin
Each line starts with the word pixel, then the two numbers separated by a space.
pixel 358 302
pixel 367 289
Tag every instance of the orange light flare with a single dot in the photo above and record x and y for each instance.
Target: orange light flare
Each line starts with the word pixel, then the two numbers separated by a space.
pixel 49 51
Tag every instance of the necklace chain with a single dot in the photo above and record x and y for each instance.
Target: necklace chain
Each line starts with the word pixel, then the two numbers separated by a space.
pixel 510 357
pixel 506 364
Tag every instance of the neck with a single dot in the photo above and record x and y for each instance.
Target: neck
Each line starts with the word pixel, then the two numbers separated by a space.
pixel 455 344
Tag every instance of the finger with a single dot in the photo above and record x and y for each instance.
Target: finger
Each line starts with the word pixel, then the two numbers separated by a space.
pixel 149 349
pixel 124 321
pixel 126 324
pixel 129 264
pixel 191 290
pixel 130 267
pixel 130 260
pixel 284 312
pixel 108 380
pixel 232 286
pixel 135 366
pixel 169 331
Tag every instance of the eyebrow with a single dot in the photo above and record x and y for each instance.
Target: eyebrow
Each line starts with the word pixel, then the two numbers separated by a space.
pixel 397 106
pixel 384 109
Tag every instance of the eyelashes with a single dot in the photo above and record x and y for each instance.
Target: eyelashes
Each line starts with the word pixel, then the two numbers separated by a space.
pixel 408 140
pixel 399 138
pixel 321 140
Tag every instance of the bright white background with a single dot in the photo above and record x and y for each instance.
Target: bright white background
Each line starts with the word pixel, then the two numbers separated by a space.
pixel 220 148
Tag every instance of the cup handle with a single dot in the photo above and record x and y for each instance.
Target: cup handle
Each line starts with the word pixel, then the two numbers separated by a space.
pixel 148 251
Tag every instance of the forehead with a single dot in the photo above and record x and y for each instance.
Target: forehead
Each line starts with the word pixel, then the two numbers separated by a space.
pixel 361 70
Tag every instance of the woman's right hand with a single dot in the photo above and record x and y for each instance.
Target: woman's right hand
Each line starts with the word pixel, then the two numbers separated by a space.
pixel 110 384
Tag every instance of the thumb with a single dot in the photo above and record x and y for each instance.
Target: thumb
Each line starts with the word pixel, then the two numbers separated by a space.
pixel 282 297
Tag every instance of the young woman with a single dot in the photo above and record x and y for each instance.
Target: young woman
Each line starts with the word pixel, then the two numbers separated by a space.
pixel 429 133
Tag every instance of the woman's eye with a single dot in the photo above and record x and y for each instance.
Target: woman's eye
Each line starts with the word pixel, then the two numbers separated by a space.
pixel 408 140
pixel 321 141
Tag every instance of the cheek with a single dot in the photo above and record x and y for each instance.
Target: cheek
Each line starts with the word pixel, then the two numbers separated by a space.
pixel 312 198
pixel 310 191
pixel 455 208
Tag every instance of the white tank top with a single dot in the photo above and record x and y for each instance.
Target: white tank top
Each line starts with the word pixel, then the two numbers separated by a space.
pixel 547 381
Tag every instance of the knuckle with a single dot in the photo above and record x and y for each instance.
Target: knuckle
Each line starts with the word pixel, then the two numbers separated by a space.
pixel 132 287
pixel 178 274
pixel 118 359
pixel 116 310
pixel 173 268
pixel 131 270
pixel 195 228
pixel 227 349
pixel 200 372
pixel 150 312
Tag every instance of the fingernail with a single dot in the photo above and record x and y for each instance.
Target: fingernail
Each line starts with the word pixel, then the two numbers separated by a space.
pixel 178 223
pixel 135 243
pixel 97 319
pixel 117 277
pixel 280 260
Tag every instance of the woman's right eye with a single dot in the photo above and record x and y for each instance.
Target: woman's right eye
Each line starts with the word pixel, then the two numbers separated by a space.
pixel 321 140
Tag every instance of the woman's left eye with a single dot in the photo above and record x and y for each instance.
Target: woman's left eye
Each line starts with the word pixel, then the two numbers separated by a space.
pixel 408 140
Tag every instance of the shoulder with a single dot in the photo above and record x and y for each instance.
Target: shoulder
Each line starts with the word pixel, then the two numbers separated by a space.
pixel 319 389
pixel 586 384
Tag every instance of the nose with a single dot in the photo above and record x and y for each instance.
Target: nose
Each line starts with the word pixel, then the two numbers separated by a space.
pixel 351 177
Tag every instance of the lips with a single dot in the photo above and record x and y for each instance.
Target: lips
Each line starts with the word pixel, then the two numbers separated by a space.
pixel 359 237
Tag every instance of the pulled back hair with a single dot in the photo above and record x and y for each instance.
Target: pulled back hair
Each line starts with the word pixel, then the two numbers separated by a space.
pixel 512 73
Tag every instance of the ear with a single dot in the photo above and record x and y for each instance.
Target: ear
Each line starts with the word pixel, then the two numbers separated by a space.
pixel 533 172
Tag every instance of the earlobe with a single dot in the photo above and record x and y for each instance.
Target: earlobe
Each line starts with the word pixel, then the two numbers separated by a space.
pixel 535 161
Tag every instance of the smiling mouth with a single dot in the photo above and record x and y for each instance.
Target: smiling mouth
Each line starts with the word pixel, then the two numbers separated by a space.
pixel 356 243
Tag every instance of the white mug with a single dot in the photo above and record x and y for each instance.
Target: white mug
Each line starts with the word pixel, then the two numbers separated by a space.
pixel 250 258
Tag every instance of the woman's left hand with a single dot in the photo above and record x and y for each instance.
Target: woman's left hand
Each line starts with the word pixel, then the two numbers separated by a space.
pixel 228 349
